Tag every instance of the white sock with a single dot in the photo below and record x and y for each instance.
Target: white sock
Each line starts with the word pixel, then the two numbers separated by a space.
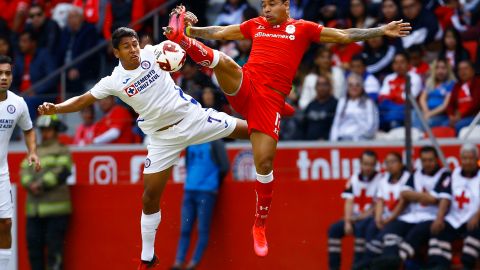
pixel 5 255
pixel 149 224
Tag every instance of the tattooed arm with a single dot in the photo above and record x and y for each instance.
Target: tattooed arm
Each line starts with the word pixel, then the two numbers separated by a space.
pixel 393 29
pixel 231 32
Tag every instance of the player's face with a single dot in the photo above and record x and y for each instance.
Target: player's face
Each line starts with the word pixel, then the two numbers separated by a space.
pixel 128 52
pixel 469 161
pixel 394 166
pixel 275 11
pixel 5 77
pixel 368 164
pixel 429 162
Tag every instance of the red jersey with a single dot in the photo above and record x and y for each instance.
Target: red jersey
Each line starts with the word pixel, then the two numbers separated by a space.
pixel 465 98
pixel 120 118
pixel 278 49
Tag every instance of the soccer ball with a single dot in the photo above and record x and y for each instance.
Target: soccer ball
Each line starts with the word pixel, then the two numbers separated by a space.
pixel 170 56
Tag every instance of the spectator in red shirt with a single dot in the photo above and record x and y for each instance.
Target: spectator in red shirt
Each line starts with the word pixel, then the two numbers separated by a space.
pixel 116 126
pixel 14 12
pixel 417 64
pixel 85 131
pixel 465 101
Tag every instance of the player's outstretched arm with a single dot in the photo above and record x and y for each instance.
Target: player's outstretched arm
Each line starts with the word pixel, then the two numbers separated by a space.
pixel 73 104
pixel 230 32
pixel 393 29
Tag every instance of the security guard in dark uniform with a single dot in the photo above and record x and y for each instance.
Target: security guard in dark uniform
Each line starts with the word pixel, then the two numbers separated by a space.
pixel 48 201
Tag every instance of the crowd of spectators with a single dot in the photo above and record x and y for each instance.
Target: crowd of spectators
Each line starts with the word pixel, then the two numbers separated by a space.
pixel 341 91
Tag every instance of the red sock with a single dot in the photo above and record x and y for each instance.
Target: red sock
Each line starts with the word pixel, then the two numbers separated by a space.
pixel 199 52
pixel 264 200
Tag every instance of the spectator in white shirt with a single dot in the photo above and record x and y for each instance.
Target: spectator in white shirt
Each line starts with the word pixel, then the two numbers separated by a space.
pixel 370 82
pixel 323 65
pixel 356 116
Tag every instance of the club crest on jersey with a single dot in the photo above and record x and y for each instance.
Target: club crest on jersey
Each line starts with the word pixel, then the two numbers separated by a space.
pixel 145 64
pixel 131 90
pixel 290 29
pixel 148 162
pixel 11 109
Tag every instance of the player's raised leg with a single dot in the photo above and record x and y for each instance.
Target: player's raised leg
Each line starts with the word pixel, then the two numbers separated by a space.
pixel 264 149
pixel 228 72
pixel 154 184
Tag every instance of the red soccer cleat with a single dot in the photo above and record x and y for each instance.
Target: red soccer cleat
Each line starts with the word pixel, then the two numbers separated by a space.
pixel 144 265
pixel 260 245
pixel 287 110
pixel 176 25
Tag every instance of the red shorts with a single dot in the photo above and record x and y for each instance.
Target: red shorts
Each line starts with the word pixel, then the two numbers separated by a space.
pixel 259 105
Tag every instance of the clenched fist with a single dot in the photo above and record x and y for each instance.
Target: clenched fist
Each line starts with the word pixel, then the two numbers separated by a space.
pixel 47 108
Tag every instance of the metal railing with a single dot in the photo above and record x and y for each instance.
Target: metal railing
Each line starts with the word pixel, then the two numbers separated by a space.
pixel 61 71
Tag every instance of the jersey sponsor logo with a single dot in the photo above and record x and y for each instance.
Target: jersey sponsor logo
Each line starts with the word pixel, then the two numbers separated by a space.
pixel 11 109
pixel 145 64
pixel 261 27
pixel 142 83
pixel 290 29
pixel 6 123
pixel 280 36
pixel 131 91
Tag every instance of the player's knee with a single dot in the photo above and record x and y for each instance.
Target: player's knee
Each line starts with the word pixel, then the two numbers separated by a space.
pixel 150 195
pixel 265 166
pixel 5 226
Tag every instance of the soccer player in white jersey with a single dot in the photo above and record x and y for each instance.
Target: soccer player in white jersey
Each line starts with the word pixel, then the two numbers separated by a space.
pixel 171 118
pixel 13 111
pixel 462 220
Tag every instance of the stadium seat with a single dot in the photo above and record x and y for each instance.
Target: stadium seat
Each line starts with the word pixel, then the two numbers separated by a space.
pixel 442 132
pixel 475 134
pixel 471 47
pixel 399 134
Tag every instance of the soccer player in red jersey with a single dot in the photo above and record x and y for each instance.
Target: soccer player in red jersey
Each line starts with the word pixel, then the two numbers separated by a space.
pixel 258 90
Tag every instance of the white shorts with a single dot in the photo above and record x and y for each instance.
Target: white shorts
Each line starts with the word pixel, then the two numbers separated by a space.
pixel 6 200
pixel 200 126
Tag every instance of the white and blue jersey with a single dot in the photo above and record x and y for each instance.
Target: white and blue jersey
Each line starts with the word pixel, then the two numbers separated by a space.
pixel 149 90
pixel 152 93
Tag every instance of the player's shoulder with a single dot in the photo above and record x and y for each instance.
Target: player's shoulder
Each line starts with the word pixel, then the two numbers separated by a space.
pixel 303 23
pixel 12 97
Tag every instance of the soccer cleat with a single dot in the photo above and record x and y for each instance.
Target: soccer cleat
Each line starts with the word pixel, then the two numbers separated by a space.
pixel 260 245
pixel 176 25
pixel 287 110
pixel 144 265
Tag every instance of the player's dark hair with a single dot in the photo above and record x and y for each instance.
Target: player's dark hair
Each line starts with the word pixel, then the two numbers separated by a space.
pixel 429 149
pixel 397 155
pixel 6 60
pixel 120 33
pixel 369 153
